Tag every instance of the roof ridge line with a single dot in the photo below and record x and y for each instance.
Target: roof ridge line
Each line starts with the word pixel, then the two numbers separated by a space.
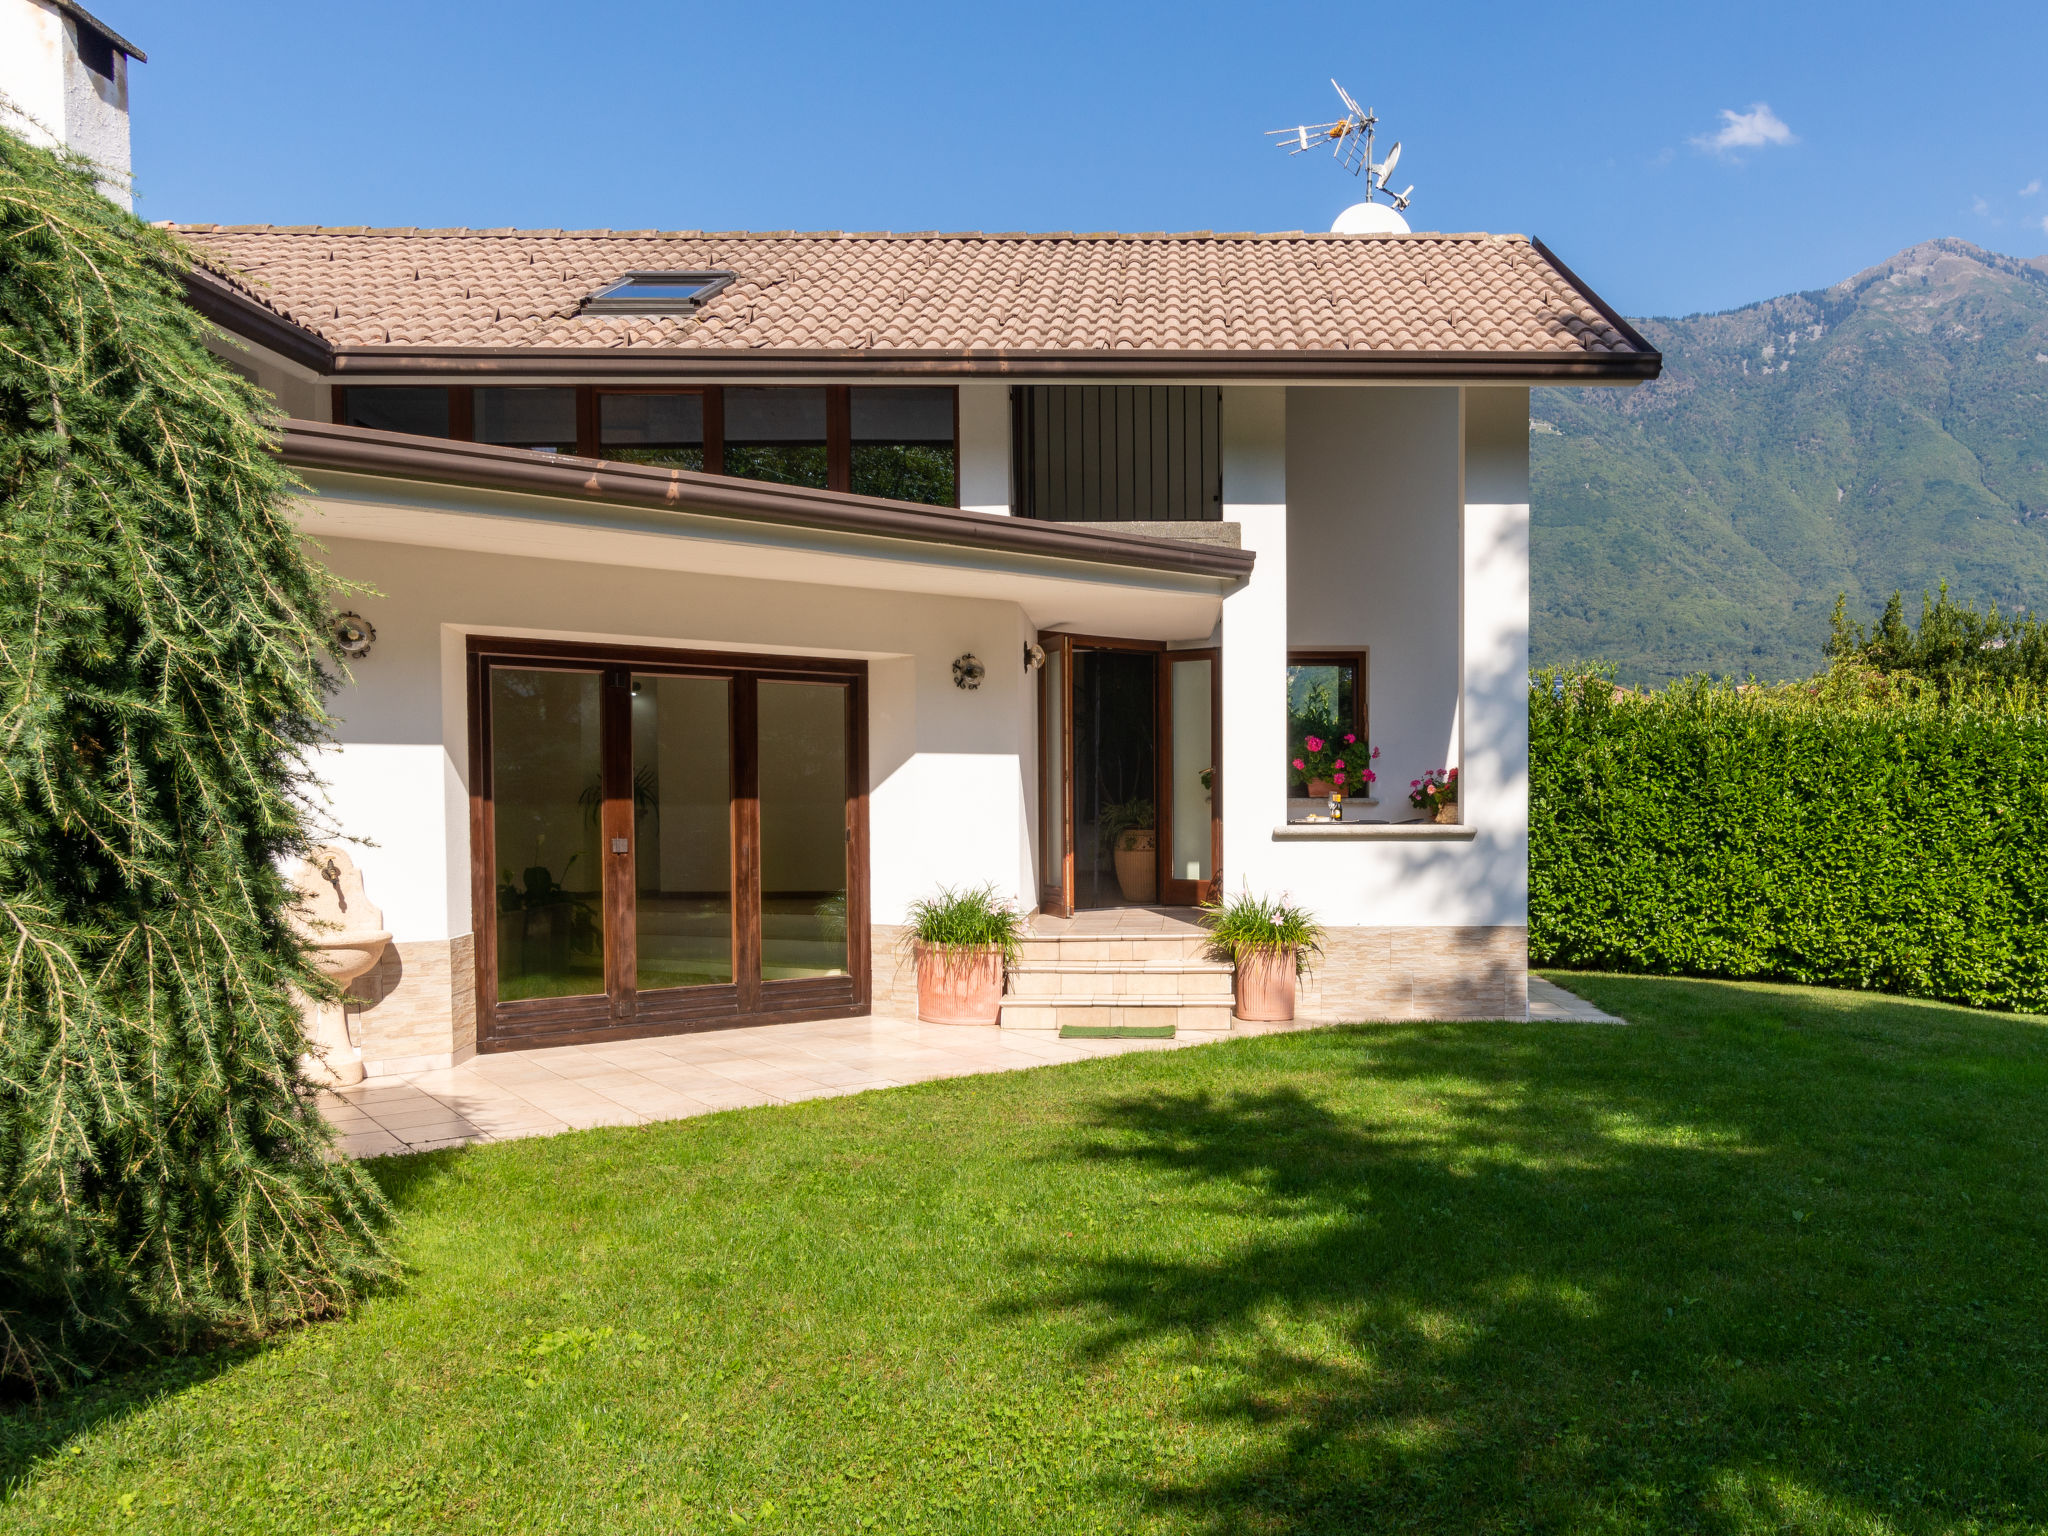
pixel 450 232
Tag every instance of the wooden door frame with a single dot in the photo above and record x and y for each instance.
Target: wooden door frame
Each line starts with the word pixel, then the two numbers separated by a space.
pixel 1162 765
pixel 665 1011
pixel 1176 892
pixel 1056 895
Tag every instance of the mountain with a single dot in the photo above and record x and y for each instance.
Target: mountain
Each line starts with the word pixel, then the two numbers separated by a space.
pixel 1890 432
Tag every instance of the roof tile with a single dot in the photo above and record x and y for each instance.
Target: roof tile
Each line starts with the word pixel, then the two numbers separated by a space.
pixel 1288 293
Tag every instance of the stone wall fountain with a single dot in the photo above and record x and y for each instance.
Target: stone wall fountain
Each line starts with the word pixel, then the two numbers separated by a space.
pixel 346 936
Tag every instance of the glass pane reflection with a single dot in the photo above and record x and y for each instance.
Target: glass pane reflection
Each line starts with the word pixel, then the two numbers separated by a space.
pixel 803 829
pixel 682 825
pixel 546 782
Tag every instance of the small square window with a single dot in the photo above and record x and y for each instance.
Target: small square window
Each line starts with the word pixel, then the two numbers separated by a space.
pixel 657 293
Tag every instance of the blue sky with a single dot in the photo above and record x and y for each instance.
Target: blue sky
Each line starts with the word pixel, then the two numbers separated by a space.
pixel 1627 136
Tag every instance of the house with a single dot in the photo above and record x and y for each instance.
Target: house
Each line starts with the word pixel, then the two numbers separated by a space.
pixel 716 595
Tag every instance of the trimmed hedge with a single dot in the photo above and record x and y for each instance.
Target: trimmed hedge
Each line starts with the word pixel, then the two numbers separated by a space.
pixel 1824 833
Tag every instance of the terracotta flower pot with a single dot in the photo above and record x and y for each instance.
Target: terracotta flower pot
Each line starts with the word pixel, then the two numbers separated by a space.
pixel 959 986
pixel 1446 815
pixel 1319 789
pixel 1137 866
pixel 1265 988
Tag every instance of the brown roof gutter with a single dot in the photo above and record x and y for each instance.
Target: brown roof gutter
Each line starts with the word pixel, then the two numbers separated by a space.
pixel 779 362
pixel 397 455
pixel 233 310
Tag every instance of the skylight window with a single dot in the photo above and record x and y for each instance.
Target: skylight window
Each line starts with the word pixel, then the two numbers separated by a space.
pixel 657 293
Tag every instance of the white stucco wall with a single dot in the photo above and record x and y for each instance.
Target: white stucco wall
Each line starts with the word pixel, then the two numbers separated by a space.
pixel 1255 493
pixel 950 771
pixel 1404 531
pixel 56 98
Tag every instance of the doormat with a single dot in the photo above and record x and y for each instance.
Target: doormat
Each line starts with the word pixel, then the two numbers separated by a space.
pixel 1116 1031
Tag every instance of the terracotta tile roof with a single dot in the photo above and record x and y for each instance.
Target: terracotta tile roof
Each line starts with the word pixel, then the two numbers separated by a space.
pixel 1072 293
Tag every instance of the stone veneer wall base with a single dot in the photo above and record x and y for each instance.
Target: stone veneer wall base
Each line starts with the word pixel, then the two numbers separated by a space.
pixel 1418 973
pixel 1365 973
pixel 415 1011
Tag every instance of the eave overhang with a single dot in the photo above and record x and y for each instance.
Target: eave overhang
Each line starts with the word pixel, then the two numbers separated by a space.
pixel 319 445
pixel 235 312
pixel 1270 367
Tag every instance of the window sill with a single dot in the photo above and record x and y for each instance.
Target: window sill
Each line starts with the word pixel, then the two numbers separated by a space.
pixel 1373 831
pixel 1301 807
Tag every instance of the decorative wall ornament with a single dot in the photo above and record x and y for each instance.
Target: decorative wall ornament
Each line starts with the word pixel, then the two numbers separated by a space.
pixel 353 635
pixel 968 671
pixel 1034 656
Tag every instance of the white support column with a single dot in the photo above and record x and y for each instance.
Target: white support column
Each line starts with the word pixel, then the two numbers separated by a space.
pixel 1255 636
pixel 1494 638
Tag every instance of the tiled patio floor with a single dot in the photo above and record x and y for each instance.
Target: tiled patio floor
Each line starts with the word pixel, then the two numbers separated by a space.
pixel 633 1082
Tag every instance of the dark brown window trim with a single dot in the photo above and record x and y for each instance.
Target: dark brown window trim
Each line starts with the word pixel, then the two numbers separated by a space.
pixel 1361 696
pixel 359 450
pixel 838 423
pixel 624 1012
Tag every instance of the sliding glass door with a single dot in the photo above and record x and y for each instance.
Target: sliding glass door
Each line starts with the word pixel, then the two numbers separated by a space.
pixel 664 841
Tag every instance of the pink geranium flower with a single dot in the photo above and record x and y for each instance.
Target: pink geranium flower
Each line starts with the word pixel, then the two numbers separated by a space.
pixel 1336 778
pixel 1300 766
pixel 1338 764
pixel 1349 739
pixel 1313 743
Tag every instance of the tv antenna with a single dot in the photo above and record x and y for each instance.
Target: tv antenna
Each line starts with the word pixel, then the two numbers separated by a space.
pixel 1350 139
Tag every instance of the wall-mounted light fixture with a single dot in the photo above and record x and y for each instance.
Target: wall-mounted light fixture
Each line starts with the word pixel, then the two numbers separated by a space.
pixel 353 635
pixel 968 671
pixel 1034 656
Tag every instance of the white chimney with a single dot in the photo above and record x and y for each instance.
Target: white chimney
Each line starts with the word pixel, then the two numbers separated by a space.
pixel 64 77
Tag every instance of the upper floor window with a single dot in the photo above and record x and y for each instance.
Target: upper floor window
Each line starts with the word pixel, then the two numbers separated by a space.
pixel 423 412
pixel 903 445
pixel 543 420
pixel 650 428
pixel 778 434
pixel 875 440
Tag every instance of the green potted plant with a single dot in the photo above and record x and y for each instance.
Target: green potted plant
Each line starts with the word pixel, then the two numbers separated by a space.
pixel 1269 940
pixel 1437 793
pixel 962 943
pixel 1331 763
pixel 1130 828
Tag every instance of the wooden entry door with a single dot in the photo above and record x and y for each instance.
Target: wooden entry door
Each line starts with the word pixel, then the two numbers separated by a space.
pixel 664 841
pixel 1187 786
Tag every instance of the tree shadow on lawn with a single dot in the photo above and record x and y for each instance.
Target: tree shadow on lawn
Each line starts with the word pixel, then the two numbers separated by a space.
pixel 1769 1259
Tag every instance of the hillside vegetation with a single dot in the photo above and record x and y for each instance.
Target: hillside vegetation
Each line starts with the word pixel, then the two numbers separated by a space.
pixel 1890 432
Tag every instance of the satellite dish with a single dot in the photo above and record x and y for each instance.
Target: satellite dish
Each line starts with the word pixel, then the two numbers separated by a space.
pixel 1351 139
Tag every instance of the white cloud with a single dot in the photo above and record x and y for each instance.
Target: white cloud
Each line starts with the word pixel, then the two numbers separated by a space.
pixel 2031 187
pixel 1754 129
pixel 1980 207
pixel 2044 225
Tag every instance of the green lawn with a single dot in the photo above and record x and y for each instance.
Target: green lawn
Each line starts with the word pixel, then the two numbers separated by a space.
pixel 1773 1259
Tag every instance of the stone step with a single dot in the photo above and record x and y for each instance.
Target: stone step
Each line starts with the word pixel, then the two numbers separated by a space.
pixel 1190 980
pixel 1114 1010
pixel 1142 948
